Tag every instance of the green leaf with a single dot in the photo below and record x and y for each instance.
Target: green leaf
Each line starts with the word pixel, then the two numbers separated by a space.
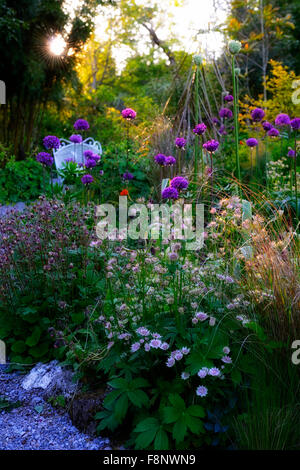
pixel 109 399
pixel 196 410
pixel 121 407
pixel 144 439
pixel 146 425
pixel 138 398
pixel 19 347
pixel 179 429
pixel 161 440
pixel 177 401
pixel 138 383
pixel 194 424
pixel 120 383
pixel 171 415
pixel 35 337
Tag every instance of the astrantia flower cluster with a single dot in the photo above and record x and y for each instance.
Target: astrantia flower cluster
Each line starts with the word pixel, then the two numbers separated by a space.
pixel 45 158
pixel 211 145
pixel 200 129
pixel 128 113
pixel 257 114
pixel 180 142
pixel 177 355
pixel 51 142
pixel 81 125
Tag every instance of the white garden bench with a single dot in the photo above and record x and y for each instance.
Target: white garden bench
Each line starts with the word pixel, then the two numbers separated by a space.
pixel 68 149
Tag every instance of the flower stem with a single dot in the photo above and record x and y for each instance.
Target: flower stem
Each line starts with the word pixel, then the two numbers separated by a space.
pixel 295 172
pixel 236 123
pixel 196 119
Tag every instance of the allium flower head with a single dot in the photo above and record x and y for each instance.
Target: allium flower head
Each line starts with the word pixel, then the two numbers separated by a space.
pixel 180 142
pixel 198 59
pixel 45 158
pixel 234 47
pixel 81 125
pixel 295 124
pixel 170 193
pixel 267 126
pixel 282 120
pixel 225 113
pixel 201 391
pixel 179 182
pixel 160 159
pixel 90 163
pixel 128 113
pixel 291 153
pixel 76 138
pixel 200 129
pixel 211 145
pixel 257 114
pixel 127 176
pixel 273 132
pixel 87 179
pixel 51 142
pixel 228 98
pixel 252 142
pixel 170 161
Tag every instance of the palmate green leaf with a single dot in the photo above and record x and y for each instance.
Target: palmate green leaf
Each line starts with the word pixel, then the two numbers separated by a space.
pixel 194 424
pixel 138 383
pixel 120 383
pixel 180 429
pixel 177 401
pixel 161 440
pixel 138 398
pixel 196 410
pixel 109 399
pixel 171 415
pixel 146 425
pixel 144 439
pixel 121 407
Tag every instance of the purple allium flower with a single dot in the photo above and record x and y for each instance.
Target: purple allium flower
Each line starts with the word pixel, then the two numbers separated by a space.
pixel 90 163
pixel 200 129
pixel 267 126
pixel 282 120
pixel 45 158
pixel 51 142
pixel 128 113
pixel 160 159
pixel 76 138
pixel 88 154
pixel 202 373
pixel 201 391
pixel 81 125
pixel 180 142
pixel 155 343
pixel 179 183
pixel 226 360
pixel 291 153
pixel 273 132
pixel 228 98
pixel 211 145
pixel 225 113
pixel 222 130
pixel 295 124
pixel 252 142
pixel 170 193
pixel 135 347
pixel 127 176
pixel 87 179
pixel 214 372
pixel 257 114
pixel 170 161
pixel 185 375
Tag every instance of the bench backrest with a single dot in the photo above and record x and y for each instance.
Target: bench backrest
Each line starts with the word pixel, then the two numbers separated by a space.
pixel 75 151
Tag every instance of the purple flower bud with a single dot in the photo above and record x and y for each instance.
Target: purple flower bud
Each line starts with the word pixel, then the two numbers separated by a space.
pixel 170 193
pixel 282 120
pixel 211 145
pixel 200 129
pixel 257 114
pixel 179 183
pixel 252 142
pixel 128 113
pixel 81 125
pixel 180 142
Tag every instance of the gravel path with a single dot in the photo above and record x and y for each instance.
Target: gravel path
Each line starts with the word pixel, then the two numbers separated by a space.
pixel 36 425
